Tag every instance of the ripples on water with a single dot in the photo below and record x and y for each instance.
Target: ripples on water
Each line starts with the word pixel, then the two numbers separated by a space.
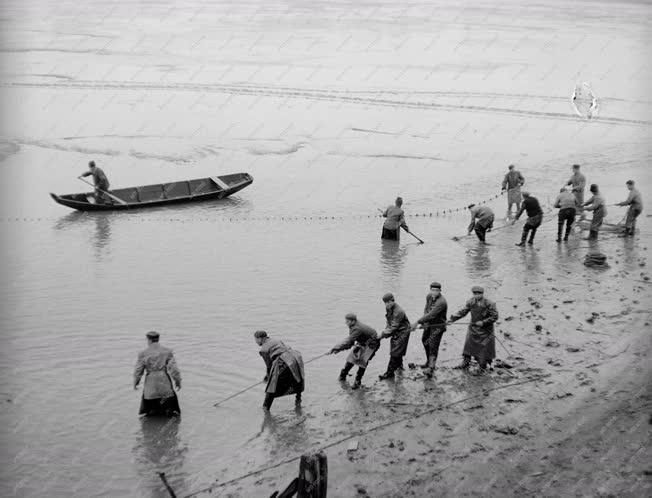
pixel 81 290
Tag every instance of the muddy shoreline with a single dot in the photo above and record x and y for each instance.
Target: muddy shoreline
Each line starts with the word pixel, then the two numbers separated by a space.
pixel 577 397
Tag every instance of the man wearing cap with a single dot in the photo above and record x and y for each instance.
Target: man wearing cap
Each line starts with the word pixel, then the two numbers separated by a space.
pixel 480 341
pixel 635 203
pixel 100 180
pixel 598 205
pixel 512 183
pixel 567 205
pixel 364 341
pixel 285 374
pixel 578 183
pixel 398 328
pixel 482 220
pixel 433 322
pixel 160 368
pixel 534 217
pixel 394 222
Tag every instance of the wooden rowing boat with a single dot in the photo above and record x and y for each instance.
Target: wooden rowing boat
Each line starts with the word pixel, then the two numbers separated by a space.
pixel 201 189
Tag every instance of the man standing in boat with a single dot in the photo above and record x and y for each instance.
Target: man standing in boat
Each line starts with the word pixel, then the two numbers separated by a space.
pixel 394 222
pixel 101 182
pixel 512 184
pixel 160 368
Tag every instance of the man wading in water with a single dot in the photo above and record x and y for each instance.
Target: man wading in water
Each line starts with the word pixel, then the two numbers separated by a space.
pixel 534 217
pixel 394 222
pixel 482 221
pixel 512 184
pixel 157 362
pixel 364 341
pixel 285 373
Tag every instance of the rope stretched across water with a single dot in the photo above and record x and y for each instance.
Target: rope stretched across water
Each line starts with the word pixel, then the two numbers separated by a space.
pixel 364 432
pixel 262 381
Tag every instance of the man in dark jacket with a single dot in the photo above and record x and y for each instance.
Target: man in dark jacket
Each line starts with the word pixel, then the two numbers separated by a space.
pixel 433 322
pixel 100 181
pixel 534 217
pixel 364 341
pixel 398 328
pixel 480 341
pixel 284 366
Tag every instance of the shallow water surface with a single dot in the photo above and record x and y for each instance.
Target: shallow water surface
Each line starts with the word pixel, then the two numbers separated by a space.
pixel 151 98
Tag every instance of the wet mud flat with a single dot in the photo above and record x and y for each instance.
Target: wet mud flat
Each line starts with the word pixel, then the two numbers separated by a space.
pixel 567 409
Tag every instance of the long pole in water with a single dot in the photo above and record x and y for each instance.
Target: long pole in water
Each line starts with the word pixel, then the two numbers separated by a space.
pixel 420 241
pixel 258 383
pixel 104 191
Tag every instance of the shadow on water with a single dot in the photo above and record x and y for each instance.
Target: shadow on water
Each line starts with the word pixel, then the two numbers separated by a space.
pixel 158 449
pixel 392 257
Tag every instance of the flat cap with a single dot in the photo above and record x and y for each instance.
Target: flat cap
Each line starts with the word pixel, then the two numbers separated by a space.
pixel 477 288
pixel 436 285
pixel 350 316
pixel 388 297
pixel 152 334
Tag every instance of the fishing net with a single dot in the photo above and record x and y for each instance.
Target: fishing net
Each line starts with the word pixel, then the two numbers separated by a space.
pixel 584 101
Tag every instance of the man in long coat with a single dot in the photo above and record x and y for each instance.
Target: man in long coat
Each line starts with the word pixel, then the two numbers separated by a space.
pixel 398 328
pixel 512 184
pixel 160 368
pixel 394 222
pixel 433 322
pixel 285 374
pixel 364 341
pixel 480 341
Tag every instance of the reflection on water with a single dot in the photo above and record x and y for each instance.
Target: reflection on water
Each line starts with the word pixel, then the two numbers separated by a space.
pixel 392 257
pixel 102 234
pixel 101 229
pixel 478 263
pixel 158 449
pixel 530 261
